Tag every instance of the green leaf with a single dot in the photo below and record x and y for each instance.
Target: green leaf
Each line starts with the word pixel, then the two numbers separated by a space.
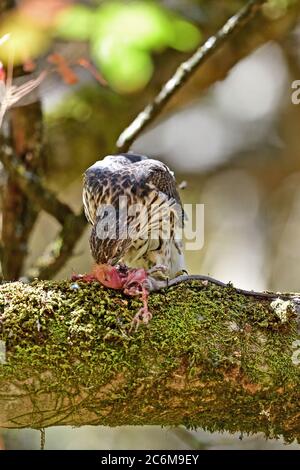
pixel 25 39
pixel 186 36
pixel 126 68
pixel 75 22
pixel 138 24
pixel 123 36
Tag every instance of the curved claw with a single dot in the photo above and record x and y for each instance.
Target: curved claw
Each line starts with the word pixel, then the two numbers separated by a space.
pixel 158 268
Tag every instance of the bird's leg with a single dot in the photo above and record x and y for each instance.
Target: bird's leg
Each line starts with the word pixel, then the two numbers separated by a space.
pixel 153 284
pixel 157 277
pixel 143 315
pixel 141 282
pixel 133 282
pixel 159 271
pixel 137 285
pixel 160 280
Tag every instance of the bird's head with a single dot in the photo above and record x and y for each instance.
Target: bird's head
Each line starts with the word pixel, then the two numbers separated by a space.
pixel 108 251
pixel 107 247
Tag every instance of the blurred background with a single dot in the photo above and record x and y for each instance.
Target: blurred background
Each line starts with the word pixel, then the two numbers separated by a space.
pixel 232 133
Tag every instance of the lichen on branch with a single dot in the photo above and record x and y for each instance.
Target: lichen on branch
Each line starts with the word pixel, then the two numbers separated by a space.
pixel 210 358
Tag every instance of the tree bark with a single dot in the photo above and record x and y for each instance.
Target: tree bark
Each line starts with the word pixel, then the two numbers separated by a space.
pixel 210 358
pixel 6 5
pixel 19 212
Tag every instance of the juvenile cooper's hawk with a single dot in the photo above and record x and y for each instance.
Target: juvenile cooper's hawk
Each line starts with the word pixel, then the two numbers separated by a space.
pixel 136 214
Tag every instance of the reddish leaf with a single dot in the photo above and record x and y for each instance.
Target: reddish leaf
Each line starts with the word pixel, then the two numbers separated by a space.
pixel 85 63
pixel 65 71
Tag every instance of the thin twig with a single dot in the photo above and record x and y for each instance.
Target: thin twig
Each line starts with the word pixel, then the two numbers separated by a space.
pixel 184 72
pixel 43 438
pixel 208 279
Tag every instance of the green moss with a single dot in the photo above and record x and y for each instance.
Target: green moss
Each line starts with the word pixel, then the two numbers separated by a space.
pixel 209 358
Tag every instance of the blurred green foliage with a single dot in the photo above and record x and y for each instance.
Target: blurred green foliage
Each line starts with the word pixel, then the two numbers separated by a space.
pixel 123 37
pixel 25 40
pixel 276 8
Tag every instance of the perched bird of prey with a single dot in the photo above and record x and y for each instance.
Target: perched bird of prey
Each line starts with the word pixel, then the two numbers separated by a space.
pixel 137 217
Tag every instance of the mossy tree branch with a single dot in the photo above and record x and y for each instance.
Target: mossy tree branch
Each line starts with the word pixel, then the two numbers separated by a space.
pixel 210 358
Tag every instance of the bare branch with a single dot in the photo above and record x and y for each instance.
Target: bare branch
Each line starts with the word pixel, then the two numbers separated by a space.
pixel 60 249
pixel 184 72
pixel 32 185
